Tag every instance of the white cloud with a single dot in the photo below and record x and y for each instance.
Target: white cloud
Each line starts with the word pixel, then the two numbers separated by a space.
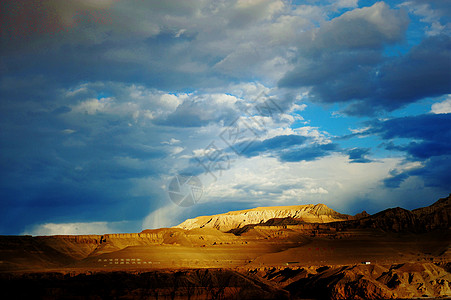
pixel 176 150
pixel 200 109
pixel 359 130
pixel 298 107
pixel 346 3
pixel 180 32
pixel 318 136
pixel 94 106
pixel 74 228
pixel 259 8
pixel 77 90
pixel 172 141
pixel 135 102
pixel 68 131
pixel 428 15
pixel 267 181
pixel 170 101
pixel 443 107
pixel 289 195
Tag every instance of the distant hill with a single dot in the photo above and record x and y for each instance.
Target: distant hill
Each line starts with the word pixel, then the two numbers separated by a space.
pixel 433 217
pixel 310 213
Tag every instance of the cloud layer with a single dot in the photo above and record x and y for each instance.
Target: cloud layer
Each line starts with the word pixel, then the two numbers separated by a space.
pixel 103 102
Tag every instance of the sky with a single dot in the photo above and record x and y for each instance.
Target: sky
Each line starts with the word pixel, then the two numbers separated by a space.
pixel 103 104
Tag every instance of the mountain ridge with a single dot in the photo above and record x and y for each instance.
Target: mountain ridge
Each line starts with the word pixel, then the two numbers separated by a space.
pixel 310 213
pixel 397 219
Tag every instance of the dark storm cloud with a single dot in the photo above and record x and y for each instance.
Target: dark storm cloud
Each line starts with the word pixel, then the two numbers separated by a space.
pixel 335 77
pixel 76 41
pixel 110 61
pixel 395 179
pixel 434 172
pixel 370 83
pixel 65 202
pixel 431 132
pixel 288 148
pixel 56 167
pixel 344 62
pixel 358 155
pixel 422 150
pixel 424 72
pixel 160 45
pixel 281 142
pixel 309 153
pixel 431 146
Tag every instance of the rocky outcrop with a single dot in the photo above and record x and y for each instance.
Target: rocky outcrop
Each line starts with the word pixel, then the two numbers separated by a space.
pixel 309 213
pixel 361 215
pixel 393 219
pixel 400 281
pixel 435 216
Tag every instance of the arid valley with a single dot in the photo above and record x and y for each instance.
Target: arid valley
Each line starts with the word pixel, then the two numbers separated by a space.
pixel 291 252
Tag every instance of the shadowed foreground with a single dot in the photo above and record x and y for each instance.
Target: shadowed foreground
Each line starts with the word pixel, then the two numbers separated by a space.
pixel 410 280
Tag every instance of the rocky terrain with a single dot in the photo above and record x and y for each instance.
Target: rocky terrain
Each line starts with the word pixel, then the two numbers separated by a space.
pixel 409 280
pixel 398 281
pixel 295 252
pixel 161 284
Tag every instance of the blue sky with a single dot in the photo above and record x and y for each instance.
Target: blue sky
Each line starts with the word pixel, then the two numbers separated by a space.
pixel 102 103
